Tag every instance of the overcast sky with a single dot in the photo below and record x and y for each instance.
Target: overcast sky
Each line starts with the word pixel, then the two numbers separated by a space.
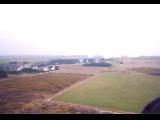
pixel 80 29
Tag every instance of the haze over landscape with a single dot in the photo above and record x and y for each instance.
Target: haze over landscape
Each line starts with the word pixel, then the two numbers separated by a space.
pixel 108 30
pixel 79 59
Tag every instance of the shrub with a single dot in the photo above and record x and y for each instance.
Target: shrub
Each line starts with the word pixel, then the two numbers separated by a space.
pixel 3 73
pixel 30 70
pixel 98 65
pixel 63 61
pixel 56 67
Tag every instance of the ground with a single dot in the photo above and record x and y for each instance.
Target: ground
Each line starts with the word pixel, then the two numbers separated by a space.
pixel 16 94
pixel 116 91
pixel 35 93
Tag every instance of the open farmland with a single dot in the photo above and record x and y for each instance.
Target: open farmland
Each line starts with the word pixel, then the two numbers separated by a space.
pixel 116 91
pixel 77 89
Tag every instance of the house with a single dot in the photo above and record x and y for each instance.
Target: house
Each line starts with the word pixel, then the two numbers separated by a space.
pixel 99 59
pixel 35 67
pixel 51 68
pixel 45 69
pixel 80 61
pixel 19 68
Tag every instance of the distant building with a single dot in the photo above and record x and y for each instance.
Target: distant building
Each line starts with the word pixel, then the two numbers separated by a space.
pixel 51 68
pixel 80 61
pixel 46 69
pixel 98 59
pixel 91 60
pixel 20 68
pixel 35 67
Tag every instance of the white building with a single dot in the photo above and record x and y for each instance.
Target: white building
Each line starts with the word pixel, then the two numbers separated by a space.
pixel 45 69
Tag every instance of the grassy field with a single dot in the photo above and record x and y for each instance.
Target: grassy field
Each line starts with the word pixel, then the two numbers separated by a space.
pixel 116 91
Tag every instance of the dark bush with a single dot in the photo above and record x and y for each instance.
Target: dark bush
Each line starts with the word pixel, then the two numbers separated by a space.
pixel 3 73
pixel 84 61
pixel 30 70
pixel 14 72
pixel 98 65
pixel 56 67
pixel 63 61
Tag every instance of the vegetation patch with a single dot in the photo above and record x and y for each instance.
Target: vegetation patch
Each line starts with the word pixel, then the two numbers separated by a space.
pixel 147 70
pixel 97 65
pixel 16 93
pixel 115 91
pixel 3 73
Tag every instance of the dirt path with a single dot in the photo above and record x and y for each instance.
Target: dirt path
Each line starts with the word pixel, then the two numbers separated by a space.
pixel 70 87
pixel 99 110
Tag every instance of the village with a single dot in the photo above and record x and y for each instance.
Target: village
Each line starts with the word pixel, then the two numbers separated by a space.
pixel 19 67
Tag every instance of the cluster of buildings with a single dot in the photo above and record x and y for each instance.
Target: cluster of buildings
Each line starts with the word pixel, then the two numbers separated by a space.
pixel 45 68
pixel 17 67
pixel 53 64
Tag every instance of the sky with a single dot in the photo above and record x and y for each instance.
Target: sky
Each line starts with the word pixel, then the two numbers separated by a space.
pixel 111 30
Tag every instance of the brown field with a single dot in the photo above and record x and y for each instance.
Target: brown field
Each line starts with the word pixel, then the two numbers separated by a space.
pixel 19 93
pixel 137 62
pixel 28 93
pixel 147 70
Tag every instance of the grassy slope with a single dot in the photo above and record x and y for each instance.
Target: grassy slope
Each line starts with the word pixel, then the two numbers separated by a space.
pixel 115 91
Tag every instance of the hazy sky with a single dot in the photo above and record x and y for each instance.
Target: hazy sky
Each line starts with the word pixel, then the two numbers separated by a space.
pixel 95 29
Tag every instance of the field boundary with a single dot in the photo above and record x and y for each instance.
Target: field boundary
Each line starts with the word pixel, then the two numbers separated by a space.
pixel 70 87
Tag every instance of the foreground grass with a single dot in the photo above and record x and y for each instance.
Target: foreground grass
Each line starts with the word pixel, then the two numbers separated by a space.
pixel 116 91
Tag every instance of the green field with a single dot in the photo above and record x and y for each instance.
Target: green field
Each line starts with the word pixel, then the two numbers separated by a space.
pixel 115 91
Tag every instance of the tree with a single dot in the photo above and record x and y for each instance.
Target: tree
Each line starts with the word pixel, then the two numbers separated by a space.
pixel 56 67
pixel 84 61
pixel 3 73
pixel 30 70
pixel 63 61
pixel 98 65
